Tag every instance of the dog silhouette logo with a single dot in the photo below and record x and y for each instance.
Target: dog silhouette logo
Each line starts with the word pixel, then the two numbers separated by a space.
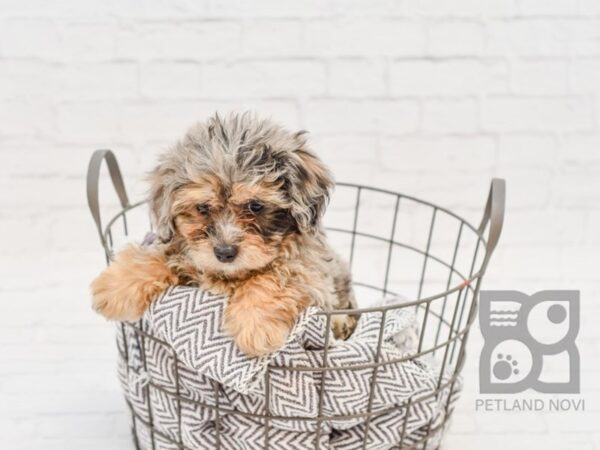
pixel 529 342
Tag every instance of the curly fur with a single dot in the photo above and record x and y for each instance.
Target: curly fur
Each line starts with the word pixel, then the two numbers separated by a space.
pixel 204 196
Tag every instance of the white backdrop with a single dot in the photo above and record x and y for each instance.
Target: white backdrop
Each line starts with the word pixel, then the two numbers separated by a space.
pixel 425 97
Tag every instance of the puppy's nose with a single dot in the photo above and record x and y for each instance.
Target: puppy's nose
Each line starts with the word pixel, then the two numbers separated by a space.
pixel 226 253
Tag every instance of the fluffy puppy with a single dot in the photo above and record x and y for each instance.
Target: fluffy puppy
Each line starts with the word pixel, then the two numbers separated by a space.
pixel 237 205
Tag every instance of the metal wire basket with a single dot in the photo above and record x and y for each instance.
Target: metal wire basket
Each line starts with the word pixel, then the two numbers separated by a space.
pixel 424 255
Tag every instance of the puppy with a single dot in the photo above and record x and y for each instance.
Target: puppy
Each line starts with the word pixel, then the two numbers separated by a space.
pixel 237 207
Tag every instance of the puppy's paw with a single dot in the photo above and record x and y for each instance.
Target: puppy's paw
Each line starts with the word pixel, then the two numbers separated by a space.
pixel 343 325
pixel 261 313
pixel 127 287
pixel 110 302
pixel 256 337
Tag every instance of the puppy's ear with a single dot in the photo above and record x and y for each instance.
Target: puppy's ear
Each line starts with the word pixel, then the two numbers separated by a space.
pixel 309 187
pixel 162 189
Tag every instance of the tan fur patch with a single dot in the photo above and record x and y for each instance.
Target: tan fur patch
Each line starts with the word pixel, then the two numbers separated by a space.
pixel 261 312
pixel 242 193
pixel 126 288
pixel 191 195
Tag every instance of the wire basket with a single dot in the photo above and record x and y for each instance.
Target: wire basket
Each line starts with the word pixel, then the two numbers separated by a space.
pixel 422 255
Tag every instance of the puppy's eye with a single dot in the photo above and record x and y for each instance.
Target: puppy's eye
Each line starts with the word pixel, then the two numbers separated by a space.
pixel 203 209
pixel 255 207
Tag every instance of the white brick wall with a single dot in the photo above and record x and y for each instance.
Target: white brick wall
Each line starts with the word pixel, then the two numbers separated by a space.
pixel 426 97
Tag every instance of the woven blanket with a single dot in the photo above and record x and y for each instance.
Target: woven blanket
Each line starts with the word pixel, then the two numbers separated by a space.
pixel 176 380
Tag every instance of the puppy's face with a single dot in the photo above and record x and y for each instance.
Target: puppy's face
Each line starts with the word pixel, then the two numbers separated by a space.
pixel 232 228
pixel 236 190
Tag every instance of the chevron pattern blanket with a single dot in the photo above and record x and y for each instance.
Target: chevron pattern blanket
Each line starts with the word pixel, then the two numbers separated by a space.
pixel 175 380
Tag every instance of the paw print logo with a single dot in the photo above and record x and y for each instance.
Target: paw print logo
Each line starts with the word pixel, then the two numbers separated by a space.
pixel 505 367
pixel 524 333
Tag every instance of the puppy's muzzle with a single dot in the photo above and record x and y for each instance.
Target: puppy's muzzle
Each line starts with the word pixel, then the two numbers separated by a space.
pixel 226 253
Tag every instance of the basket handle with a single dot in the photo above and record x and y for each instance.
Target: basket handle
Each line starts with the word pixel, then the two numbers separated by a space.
pixel 494 216
pixel 93 177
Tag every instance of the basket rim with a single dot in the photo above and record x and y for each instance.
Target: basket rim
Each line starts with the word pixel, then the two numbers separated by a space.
pixel 466 281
